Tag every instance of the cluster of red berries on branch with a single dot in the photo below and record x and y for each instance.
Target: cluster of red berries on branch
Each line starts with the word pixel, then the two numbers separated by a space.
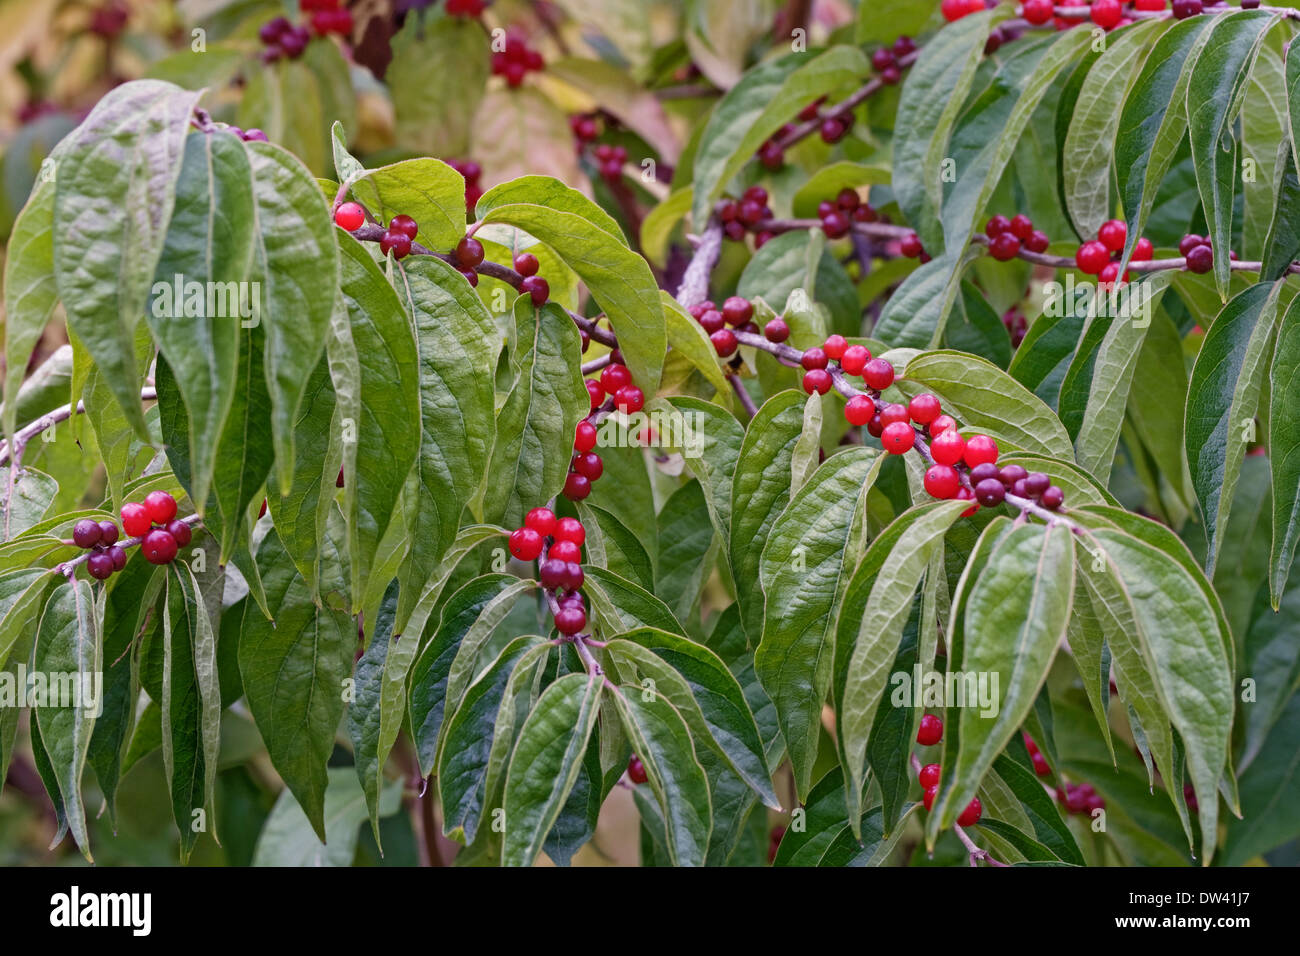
pixel 739 216
pixel 398 237
pixel 472 172
pixel 516 60
pixel 1100 257
pixel 737 312
pixel 154 521
pixel 837 217
pixel 533 285
pixel 1007 236
pixel 1080 798
pixel 465 8
pixel 854 360
pixel 615 382
pixel 100 538
pixel 931 733
pixel 1040 762
pixel 886 60
pixel 558 543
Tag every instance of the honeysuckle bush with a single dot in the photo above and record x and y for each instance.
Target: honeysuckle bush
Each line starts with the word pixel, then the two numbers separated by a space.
pixel 514 478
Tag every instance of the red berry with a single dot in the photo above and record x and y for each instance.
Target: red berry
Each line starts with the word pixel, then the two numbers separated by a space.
pixel 813 358
pixel 180 531
pixel 1036 483
pixel 882 58
pixel 878 374
pixel 818 380
pixel 636 770
pixel 1106 13
pixel 1113 232
pixel 595 393
pixel 526 544
pixel 566 551
pixel 996 226
pixel 107 533
pixel 875 427
pixel 589 465
pixel 948 447
pixel 1092 257
pixel 910 246
pixel 1010 474
pixel 930 792
pixel 952 10
pixel 737 311
pixel 848 199
pixel 1040 764
pixel 1052 498
pixel 86 533
pixel 1143 251
pixel 855 359
pixel 924 408
pixel 836 226
pixel 776 330
pixel 930 732
pixel 570 529
pixel 980 449
pixel 832 130
pixel 1038 12
pixel 349 216
pixel 834 347
pixel 971 815
pixel 397 243
pixel 929 775
pixel 118 556
pixel 724 342
pixel 712 321
pixel 1037 241
pixel 100 565
pixel 576 486
pixel 894 413
pixel 584 436
pixel 161 506
pixel 757 193
pixel 541 520
pixel 965 494
pixel 526 264
pixel 990 492
pixel 615 377
pixel 537 287
pixel 469 251
pixel 1189 242
pixel 898 437
pixel 942 424
pixel 942 481
pixel 1005 247
pixel 629 399
pixel 859 410
pixel 1186 8
pixel 159 547
pixel 1200 260
pixel 1021 226
pixel 407 227
pixel 570 620
pixel 1110 274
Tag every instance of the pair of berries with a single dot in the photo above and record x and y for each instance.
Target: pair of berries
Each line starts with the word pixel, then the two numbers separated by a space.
pixel 1080 798
pixel 100 538
pixel 743 215
pixel 956 9
pixel 1040 762
pixel 610 160
pixel 516 60
pixel 1006 236
pixel 155 522
pixel 1198 252
pixel 910 248
pixel 1099 257
pixel 736 311
pixel 535 286
pixel 398 237
pixel 283 39
pixel 929 780
pixel 472 172
pixel 837 217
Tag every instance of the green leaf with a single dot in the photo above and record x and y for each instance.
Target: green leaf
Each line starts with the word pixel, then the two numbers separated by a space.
pixel 1215 92
pixel 591 244
pixel 365 714
pixel 661 739
pixel 1040 807
pixel 116 186
pixel 1284 447
pixel 1015 618
pixel 915 314
pixel 296 256
pixel 686 550
pixel 1223 398
pixel 22 594
pixel 687 338
pixel 293 668
pixel 707 695
pixel 806 565
pixel 782 266
pixel 1270 794
pixel 546 762
pixel 618 605
pixel 760 492
pixel 68 642
pixel 1154 121
pixel 458 346
pixel 756 107
pixel 288 839
pixel 830 179
pixel 428 190
pixel 1265 152
pixel 422 51
pixel 612 546
pixel 29 291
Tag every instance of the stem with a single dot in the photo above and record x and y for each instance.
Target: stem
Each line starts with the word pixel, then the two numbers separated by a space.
pixel 695 283
pixel 743 394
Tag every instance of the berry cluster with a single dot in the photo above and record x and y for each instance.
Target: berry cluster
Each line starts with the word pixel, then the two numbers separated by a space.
pixel 885 60
pixel 931 733
pixel 1080 798
pixel 1040 762
pixel 586 466
pixel 737 312
pixel 837 217
pixel 283 39
pixel 539 289
pixel 516 61
pixel 1198 252
pixel 853 360
pixel 744 215
pixel 1100 257
pixel 1006 236
pixel 610 160
pixel 398 237
pixel 100 537
pixel 472 172
pixel 465 8
pixel 155 522
pixel 561 570
pixel 327 16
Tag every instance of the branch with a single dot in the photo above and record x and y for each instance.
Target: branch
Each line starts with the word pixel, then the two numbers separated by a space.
pixel 695 283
